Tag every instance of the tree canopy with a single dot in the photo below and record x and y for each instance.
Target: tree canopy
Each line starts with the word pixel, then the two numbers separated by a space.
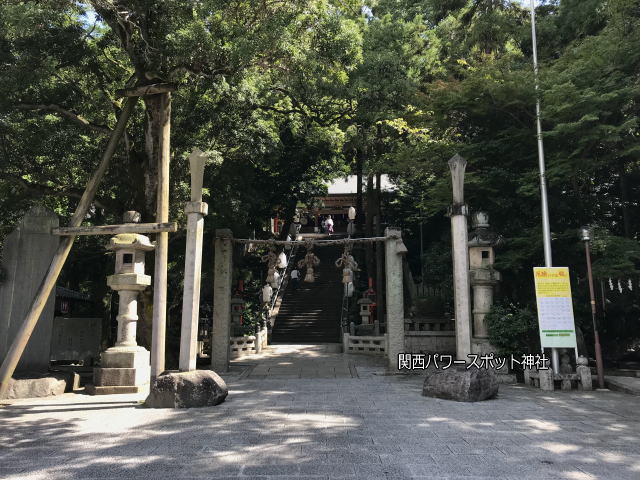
pixel 287 94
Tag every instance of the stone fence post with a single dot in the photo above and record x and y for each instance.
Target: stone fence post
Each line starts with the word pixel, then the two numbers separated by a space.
pixel 220 331
pixel 394 249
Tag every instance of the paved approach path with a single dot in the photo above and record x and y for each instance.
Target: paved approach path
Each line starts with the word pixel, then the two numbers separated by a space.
pixel 360 424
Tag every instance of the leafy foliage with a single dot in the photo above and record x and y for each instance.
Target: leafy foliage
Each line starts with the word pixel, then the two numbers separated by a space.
pixel 513 330
pixel 285 95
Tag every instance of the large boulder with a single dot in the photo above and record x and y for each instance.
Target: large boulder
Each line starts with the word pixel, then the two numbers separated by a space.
pixel 199 388
pixel 36 386
pixel 461 384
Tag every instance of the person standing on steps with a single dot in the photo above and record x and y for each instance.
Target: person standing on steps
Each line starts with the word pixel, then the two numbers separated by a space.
pixel 329 225
pixel 295 278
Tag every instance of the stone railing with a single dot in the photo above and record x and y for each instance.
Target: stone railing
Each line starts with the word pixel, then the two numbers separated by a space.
pixel 376 345
pixel 248 344
pixel 429 325
pixel 429 335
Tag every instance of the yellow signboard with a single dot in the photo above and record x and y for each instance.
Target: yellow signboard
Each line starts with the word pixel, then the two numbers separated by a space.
pixel 555 308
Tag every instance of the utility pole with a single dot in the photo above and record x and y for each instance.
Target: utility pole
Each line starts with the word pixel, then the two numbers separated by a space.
pixel 585 236
pixel 546 229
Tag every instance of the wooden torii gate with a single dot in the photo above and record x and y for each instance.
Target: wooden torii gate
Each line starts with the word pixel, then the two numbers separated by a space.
pixel 394 249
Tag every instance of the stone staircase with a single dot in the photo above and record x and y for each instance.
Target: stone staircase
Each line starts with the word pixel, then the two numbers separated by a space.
pixel 311 314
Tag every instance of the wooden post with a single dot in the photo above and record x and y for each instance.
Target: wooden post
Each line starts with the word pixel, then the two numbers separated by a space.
pixel 49 281
pixel 160 104
pixel 116 229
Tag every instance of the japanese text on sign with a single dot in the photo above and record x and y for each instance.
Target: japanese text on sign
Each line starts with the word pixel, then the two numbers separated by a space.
pixel 555 308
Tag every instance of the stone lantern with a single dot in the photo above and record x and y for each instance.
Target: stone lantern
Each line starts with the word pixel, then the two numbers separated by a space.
pixel 365 310
pixel 125 366
pixel 482 274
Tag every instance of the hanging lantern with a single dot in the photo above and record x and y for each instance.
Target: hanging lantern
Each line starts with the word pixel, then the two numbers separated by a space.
pixel 348 289
pixel 309 262
pixel 282 260
pixel 352 213
pixel 346 260
pixel 267 291
pixel 271 259
pixel 347 275
pixel 276 279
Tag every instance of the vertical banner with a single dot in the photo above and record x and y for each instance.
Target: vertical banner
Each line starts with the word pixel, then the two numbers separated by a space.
pixel 555 309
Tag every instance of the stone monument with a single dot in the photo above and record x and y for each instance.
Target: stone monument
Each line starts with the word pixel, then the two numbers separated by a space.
pixel 125 367
pixel 191 387
pixel 458 213
pixel 27 253
pixel 196 210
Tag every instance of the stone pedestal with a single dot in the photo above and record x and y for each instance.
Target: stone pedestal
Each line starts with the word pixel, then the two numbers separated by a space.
pixel 124 370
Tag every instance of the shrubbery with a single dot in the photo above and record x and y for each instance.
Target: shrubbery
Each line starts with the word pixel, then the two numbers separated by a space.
pixel 513 330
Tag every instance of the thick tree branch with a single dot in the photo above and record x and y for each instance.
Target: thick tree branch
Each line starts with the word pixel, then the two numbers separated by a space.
pixel 42 190
pixel 77 119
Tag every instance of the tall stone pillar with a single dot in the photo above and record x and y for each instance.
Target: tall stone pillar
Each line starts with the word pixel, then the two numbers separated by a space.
pixel 394 249
pixel 196 210
pixel 222 301
pixel 458 212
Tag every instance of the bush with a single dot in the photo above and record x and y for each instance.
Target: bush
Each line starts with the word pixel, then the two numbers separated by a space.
pixel 513 330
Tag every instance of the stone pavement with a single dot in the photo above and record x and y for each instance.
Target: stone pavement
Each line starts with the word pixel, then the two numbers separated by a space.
pixel 364 425
pixel 629 385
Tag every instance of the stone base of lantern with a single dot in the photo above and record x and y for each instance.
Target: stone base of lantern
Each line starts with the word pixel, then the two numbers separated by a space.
pixel 123 370
pixel 481 346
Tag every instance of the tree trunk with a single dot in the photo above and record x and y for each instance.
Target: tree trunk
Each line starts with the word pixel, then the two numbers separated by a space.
pixel 289 211
pixel 369 225
pixel 624 200
pixel 359 213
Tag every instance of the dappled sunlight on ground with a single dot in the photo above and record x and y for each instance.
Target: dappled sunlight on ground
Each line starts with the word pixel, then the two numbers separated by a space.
pixel 369 426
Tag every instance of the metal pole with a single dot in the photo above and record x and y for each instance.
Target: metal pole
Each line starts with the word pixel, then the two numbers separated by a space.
pixel 546 229
pixel 599 364
pixel 421 257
